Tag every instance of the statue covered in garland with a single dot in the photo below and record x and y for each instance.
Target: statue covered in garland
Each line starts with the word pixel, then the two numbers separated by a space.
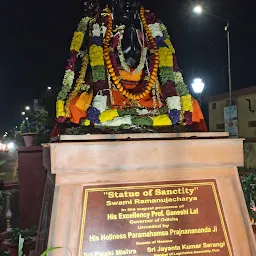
pixel 128 75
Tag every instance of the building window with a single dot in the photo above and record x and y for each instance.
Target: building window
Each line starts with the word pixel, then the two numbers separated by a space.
pixel 214 105
pixel 220 126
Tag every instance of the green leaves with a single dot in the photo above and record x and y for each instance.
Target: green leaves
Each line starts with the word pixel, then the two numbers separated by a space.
pixel 249 189
pixel 49 250
pixel 20 247
pixel 21 243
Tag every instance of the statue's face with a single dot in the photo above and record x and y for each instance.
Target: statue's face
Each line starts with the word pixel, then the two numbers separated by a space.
pixel 124 10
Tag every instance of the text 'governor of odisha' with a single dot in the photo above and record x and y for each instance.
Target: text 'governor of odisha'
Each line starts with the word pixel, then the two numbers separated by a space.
pixel 158 219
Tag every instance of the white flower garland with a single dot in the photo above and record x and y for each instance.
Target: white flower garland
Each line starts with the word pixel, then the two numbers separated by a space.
pixel 118 121
pixel 68 78
pixel 100 102
pixel 96 31
pixel 124 65
pixel 103 30
pixel 155 30
pixel 142 112
pixel 178 77
pixel 154 97
pixel 110 86
pixel 173 103
pixel 82 26
pixel 160 104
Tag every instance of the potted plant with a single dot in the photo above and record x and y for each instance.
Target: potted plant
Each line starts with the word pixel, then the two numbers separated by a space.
pixel 249 189
pixel 34 125
pixel 12 242
pixel 28 132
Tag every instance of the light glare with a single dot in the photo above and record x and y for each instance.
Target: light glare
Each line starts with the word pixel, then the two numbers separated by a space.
pixel 198 9
pixel 10 145
pixel 198 85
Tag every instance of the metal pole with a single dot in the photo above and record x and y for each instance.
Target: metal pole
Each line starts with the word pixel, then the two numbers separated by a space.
pixel 227 28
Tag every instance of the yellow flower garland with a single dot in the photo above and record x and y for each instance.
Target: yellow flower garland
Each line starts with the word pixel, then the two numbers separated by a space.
pixel 170 46
pixel 96 55
pixel 77 41
pixel 108 115
pixel 187 103
pixel 166 57
pixel 77 88
pixel 161 120
pixel 60 108
pixel 87 122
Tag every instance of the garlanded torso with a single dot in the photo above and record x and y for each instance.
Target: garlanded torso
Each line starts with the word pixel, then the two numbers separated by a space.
pixel 108 92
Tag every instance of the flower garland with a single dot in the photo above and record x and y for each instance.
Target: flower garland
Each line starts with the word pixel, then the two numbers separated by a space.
pixel 143 56
pixel 174 90
pixel 96 54
pixel 80 81
pixel 114 76
pixel 70 69
pixel 158 55
pixel 125 66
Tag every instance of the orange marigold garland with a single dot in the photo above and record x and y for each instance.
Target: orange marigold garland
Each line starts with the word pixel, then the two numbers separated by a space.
pixel 116 80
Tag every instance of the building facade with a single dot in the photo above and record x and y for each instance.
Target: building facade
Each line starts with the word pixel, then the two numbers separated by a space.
pixel 245 100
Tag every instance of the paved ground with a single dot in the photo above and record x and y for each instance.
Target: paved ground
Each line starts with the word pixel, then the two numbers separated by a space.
pixel 8 171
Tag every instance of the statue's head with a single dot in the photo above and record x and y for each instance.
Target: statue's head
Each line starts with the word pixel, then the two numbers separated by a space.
pixel 125 10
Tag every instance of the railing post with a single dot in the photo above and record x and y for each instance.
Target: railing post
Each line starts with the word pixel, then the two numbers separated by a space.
pixel 8 211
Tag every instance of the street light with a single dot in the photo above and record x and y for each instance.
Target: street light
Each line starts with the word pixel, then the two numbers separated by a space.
pixel 198 87
pixel 49 88
pixel 198 10
pixel 27 118
pixel 27 108
pixel 23 113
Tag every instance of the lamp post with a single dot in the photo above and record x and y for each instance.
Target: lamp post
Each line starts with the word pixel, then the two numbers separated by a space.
pixel 198 9
pixel 198 87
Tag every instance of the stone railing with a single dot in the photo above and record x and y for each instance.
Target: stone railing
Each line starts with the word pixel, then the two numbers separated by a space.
pixel 10 214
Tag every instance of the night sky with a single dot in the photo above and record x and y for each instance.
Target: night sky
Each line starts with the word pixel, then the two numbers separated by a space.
pixel 35 39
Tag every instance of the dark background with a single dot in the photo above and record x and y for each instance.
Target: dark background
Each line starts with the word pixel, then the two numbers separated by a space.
pixel 35 39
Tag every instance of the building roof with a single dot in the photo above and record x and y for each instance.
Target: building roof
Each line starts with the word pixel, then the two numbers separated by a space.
pixel 244 91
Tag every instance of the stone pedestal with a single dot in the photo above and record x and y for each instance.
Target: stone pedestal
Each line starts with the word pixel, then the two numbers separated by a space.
pixel 86 171
pixel 32 176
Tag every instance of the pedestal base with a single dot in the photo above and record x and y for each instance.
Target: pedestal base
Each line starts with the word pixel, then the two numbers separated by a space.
pixel 200 174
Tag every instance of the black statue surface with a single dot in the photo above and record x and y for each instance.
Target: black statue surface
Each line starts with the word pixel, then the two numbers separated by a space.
pixel 126 13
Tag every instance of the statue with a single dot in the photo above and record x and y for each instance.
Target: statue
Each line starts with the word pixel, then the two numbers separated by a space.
pixel 129 77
